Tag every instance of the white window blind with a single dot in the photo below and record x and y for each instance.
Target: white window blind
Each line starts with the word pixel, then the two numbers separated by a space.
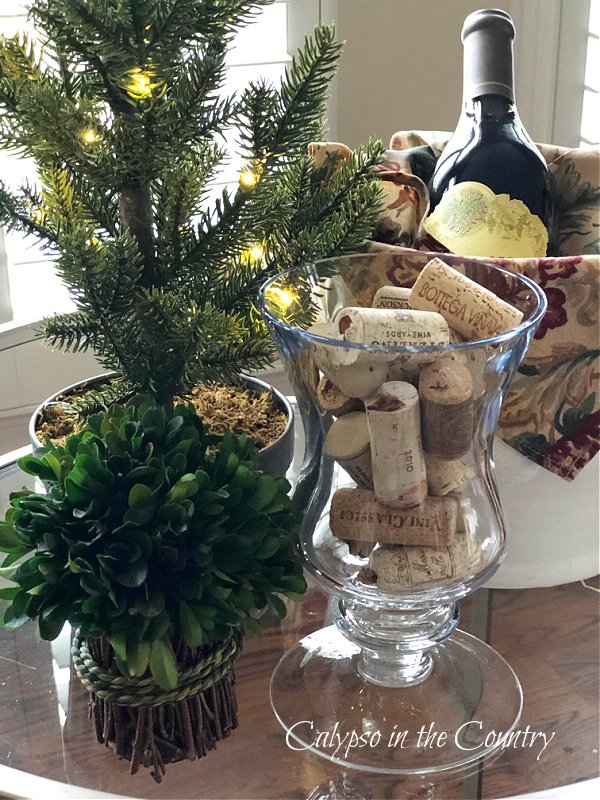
pixel 261 49
pixel 590 112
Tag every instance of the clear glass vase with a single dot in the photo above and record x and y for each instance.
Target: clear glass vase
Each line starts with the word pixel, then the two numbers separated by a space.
pixel 392 685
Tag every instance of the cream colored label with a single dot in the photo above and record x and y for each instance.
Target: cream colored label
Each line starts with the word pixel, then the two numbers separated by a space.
pixel 473 221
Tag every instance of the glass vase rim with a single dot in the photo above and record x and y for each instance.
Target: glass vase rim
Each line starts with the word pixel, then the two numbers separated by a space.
pixel 500 338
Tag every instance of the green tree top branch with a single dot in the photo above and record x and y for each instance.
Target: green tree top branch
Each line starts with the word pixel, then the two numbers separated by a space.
pixel 124 115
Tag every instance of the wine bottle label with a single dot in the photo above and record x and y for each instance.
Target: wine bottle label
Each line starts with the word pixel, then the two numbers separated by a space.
pixel 473 221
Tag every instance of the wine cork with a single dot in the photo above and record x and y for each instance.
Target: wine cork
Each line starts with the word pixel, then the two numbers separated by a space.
pixel 469 308
pixel 329 154
pixel 476 361
pixel 391 297
pixel 360 549
pixel 353 380
pixel 404 370
pixel 446 476
pixel 366 576
pixel 393 417
pixel 456 337
pixel 408 368
pixel 462 511
pixel 399 569
pixel 331 398
pixel 412 365
pixel 328 330
pixel 389 327
pixel 356 515
pixel 348 443
pixel 446 392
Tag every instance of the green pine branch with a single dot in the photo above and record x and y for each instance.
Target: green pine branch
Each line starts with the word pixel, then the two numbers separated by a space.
pixel 305 91
pixel 17 213
pixel 179 22
pixel 73 332
pixel 114 391
pixel 331 196
pixel 227 363
pixel 256 117
pixel 124 115
pixel 194 110
pixel 19 64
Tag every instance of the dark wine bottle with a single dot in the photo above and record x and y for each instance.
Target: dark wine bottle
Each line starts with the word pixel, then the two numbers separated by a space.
pixel 490 193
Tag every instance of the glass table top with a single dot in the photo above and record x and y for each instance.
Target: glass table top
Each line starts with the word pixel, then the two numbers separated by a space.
pixel 549 636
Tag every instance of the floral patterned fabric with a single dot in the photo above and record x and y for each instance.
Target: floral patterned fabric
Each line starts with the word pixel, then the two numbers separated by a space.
pixel 552 412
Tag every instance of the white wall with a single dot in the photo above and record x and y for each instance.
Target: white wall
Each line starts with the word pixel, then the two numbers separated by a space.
pixel 401 68
pixel 402 64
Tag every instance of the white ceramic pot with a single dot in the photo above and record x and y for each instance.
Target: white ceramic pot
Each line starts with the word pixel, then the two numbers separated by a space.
pixel 274 459
pixel 553 524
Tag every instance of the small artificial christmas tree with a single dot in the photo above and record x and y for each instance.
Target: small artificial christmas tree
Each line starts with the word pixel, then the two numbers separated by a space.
pixel 123 115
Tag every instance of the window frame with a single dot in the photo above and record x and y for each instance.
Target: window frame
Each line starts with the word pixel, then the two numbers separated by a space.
pixel 6 311
pixel 550 58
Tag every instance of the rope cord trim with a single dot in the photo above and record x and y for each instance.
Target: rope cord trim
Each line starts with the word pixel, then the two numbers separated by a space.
pixel 215 662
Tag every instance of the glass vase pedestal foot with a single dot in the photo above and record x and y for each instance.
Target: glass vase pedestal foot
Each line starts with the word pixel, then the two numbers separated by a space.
pixel 459 710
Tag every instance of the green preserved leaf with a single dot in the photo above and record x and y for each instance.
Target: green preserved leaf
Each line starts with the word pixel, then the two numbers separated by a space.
pixel 190 626
pixel 264 493
pixel 9 572
pixel 55 465
pixel 140 514
pixel 37 467
pixel 119 643
pixel 151 605
pixel 50 627
pixel 132 575
pixel 278 605
pixel 186 486
pixel 157 627
pixel 76 494
pixel 10 540
pixel 140 494
pixel 12 620
pixel 138 659
pixel 268 547
pixel 163 666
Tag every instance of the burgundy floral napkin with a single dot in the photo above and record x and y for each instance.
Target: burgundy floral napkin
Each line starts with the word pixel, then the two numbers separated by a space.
pixel 552 412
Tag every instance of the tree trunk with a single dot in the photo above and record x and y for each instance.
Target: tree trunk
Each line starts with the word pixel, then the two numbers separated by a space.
pixel 138 217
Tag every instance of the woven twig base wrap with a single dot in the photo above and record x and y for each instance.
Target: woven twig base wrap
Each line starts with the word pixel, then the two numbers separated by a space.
pixel 151 726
